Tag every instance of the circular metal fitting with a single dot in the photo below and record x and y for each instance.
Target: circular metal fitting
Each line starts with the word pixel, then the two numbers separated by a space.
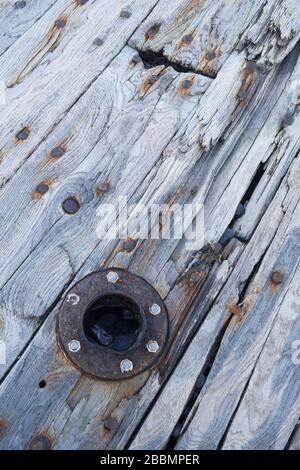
pixel 109 323
pixel 112 277
pixel 74 345
pixel 73 299
pixel 126 365
pixel 152 346
pixel 155 309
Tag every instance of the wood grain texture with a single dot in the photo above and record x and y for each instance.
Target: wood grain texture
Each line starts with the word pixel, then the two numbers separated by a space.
pixel 202 34
pixel 247 332
pixel 270 408
pixel 88 117
pixel 39 101
pixel 16 17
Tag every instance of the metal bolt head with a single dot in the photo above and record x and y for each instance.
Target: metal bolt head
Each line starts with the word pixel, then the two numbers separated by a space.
pixel 73 299
pixel 112 277
pixel 155 309
pixel 126 365
pixel 152 346
pixel 74 345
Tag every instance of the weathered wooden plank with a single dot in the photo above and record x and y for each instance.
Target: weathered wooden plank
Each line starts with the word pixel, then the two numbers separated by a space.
pixel 51 223
pixel 159 141
pixel 65 240
pixel 194 359
pixel 201 34
pixel 39 101
pixel 247 331
pixel 270 408
pixel 295 441
pixel 16 17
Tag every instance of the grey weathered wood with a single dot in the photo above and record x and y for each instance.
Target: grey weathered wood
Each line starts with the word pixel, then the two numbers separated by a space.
pixel 192 362
pixel 159 136
pixel 246 335
pixel 201 34
pixel 295 441
pixel 50 90
pixel 270 408
pixel 61 234
pixel 15 21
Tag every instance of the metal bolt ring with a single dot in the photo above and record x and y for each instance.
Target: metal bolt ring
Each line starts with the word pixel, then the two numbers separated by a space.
pixel 102 361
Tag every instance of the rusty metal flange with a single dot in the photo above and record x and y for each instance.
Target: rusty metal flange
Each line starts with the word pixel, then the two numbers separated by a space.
pixel 101 360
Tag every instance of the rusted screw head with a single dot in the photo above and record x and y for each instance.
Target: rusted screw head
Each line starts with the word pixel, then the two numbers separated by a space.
pixel 42 188
pixel 152 346
pixel 74 345
pixel 155 309
pixel 277 277
pixel 23 134
pixel 112 277
pixel 73 299
pixel 126 365
pixel 57 152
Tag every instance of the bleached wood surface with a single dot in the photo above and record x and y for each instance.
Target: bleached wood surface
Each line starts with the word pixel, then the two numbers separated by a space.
pixel 215 120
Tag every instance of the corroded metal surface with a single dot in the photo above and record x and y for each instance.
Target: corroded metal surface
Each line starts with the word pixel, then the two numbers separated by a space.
pixel 102 361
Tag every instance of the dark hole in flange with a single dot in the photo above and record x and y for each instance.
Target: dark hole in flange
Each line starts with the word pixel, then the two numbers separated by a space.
pixel 112 321
pixel 42 384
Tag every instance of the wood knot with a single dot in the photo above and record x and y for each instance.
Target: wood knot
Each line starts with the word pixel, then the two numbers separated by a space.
pixel 40 442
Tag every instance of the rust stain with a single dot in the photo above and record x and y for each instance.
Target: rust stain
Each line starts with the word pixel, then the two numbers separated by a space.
pixel 239 310
pixel 152 31
pixel 23 134
pixel 81 2
pixel 186 40
pixel 276 279
pixel 60 23
pixel 147 84
pixel 249 72
pixel 41 189
pixel 58 151
pixel 186 85
pixel 185 12
pixel 175 196
pixel 103 187
pixel 4 425
pixel 209 59
pixel 110 424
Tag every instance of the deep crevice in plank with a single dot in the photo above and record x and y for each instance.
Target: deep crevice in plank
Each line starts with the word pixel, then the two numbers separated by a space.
pixel 153 59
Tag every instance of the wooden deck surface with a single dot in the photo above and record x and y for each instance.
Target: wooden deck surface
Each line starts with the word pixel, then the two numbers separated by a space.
pixel 164 101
